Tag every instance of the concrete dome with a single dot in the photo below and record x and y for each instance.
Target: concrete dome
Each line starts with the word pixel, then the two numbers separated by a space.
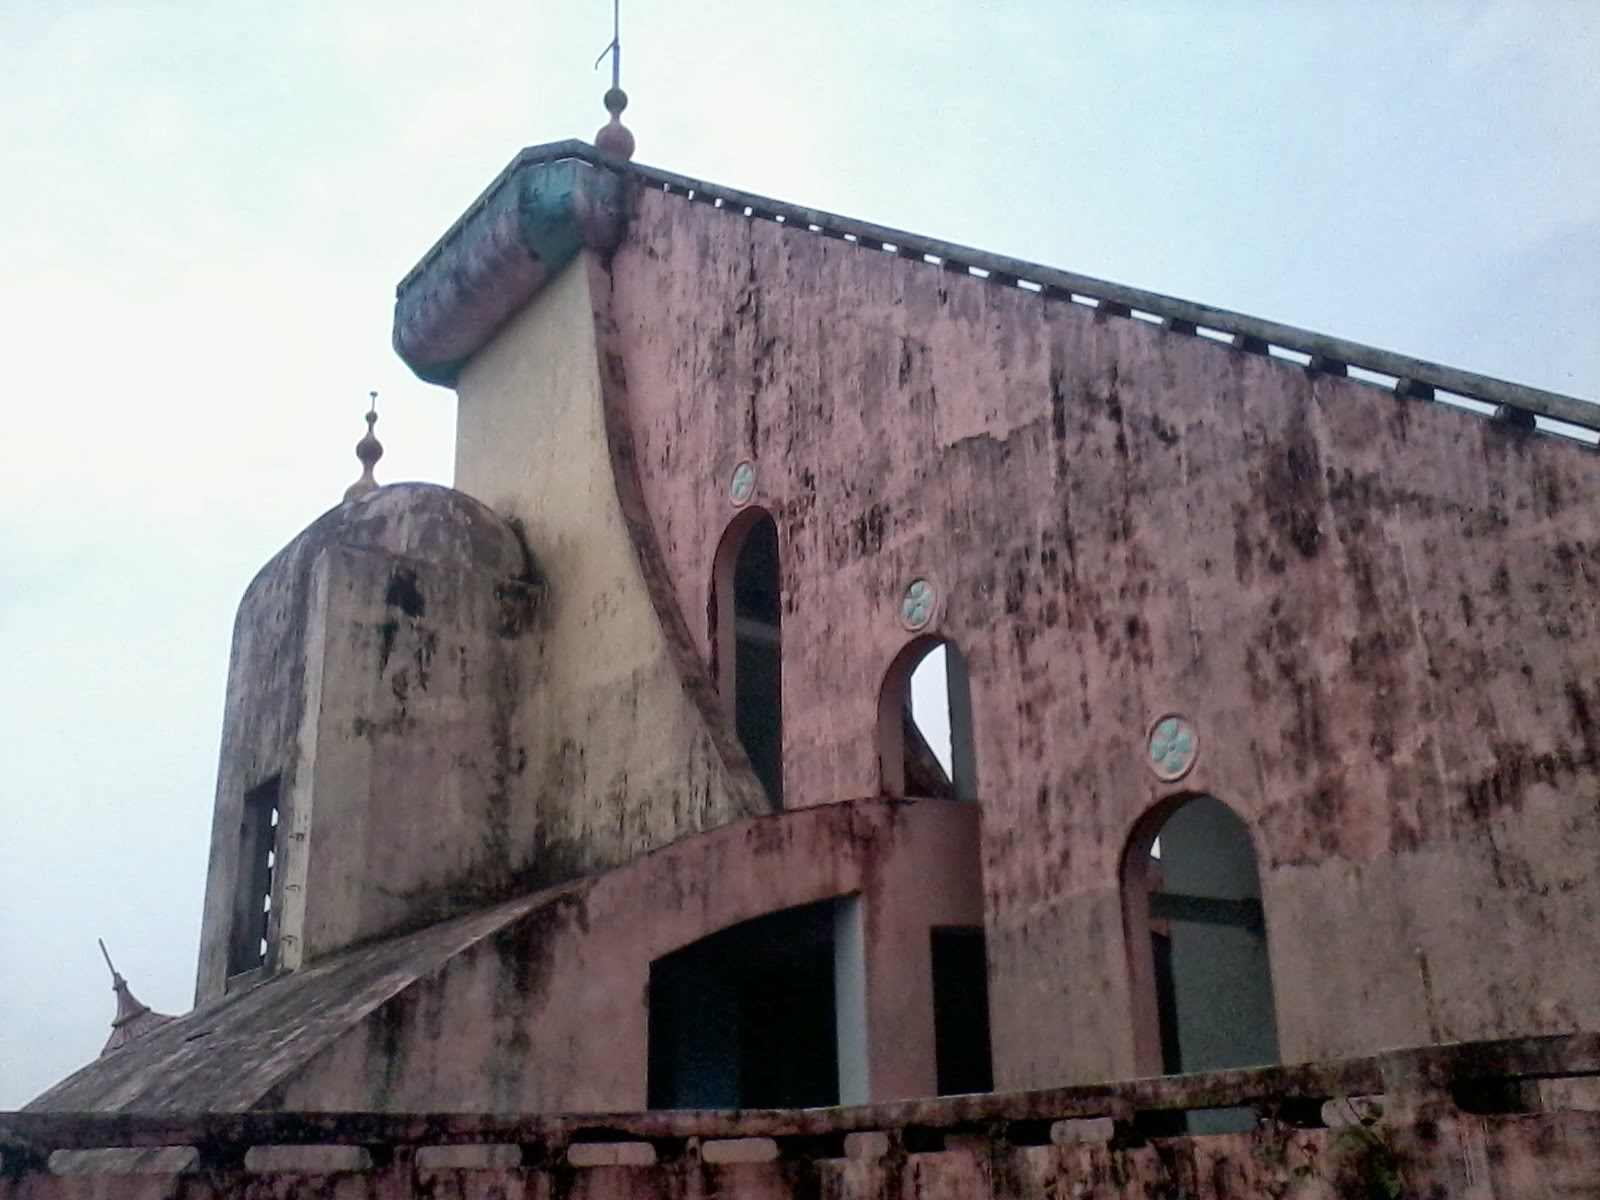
pixel 418 520
pixel 423 520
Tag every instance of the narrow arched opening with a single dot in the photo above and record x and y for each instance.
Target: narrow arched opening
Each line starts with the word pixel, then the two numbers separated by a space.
pixel 925 738
pixel 747 634
pixel 1197 941
pixel 925 750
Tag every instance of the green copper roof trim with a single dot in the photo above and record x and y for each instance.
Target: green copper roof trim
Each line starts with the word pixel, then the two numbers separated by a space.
pixel 545 209
pixel 531 223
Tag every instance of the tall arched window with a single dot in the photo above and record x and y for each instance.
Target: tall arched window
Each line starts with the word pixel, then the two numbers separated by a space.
pixel 925 724
pixel 1197 941
pixel 747 609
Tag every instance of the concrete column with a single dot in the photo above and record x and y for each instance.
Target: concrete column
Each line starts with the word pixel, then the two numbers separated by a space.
pixel 850 1000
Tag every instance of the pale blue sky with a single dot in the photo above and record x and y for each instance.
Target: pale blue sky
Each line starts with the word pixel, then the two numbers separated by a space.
pixel 205 207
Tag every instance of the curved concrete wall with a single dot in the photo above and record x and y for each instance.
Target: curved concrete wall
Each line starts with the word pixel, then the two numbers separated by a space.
pixel 619 758
pixel 549 1013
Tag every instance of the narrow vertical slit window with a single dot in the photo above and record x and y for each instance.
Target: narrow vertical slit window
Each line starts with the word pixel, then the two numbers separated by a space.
pixel 258 863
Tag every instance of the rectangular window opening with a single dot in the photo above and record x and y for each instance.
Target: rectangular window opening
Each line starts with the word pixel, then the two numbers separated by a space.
pixel 258 862
pixel 961 1011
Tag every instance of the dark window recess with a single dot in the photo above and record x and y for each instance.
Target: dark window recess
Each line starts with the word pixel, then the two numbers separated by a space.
pixel 745 1017
pixel 758 656
pixel 258 861
pixel 961 1012
pixel 1166 1004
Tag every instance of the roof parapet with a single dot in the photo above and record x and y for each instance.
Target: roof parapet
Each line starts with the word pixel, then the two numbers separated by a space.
pixel 1408 377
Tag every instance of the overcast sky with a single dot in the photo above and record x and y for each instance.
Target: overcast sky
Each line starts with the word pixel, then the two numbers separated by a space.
pixel 204 208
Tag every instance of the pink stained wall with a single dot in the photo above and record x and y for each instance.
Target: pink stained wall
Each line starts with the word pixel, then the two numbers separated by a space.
pixel 1381 616
pixel 549 1013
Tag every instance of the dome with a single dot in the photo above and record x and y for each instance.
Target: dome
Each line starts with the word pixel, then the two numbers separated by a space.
pixel 425 521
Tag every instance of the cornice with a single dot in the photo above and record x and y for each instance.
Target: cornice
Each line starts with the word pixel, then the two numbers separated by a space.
pixel 550 203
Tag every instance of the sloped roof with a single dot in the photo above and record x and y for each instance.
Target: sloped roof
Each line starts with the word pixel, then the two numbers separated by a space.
pixel 227 1056
pixel 555 198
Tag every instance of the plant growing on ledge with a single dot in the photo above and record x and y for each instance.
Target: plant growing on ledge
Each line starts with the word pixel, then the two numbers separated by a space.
pixel 1365 1163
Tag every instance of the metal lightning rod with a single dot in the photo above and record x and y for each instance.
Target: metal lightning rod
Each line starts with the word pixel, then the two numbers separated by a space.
pixel 615 48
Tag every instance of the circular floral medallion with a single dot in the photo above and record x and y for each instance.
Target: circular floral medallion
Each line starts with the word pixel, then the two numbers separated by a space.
pixel 1172 747
pixel 743 484
pixel 916 608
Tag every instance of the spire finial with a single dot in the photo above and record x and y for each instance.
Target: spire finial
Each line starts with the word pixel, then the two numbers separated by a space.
pixel 614 138
pixel 116 979
pixel 369 450
pixel 134 1017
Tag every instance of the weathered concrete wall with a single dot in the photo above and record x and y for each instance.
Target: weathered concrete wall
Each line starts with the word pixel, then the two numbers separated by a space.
pixel 550 1012
pixel 372 662
pixel 620 759
pixel 1382 617
pixel 413 818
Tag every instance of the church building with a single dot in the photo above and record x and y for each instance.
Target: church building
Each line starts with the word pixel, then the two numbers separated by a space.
pixel 851 669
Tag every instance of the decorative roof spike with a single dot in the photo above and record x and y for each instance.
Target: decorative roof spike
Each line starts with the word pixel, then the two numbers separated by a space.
pixel 369 450
pixel 614 137
pixel 134 1017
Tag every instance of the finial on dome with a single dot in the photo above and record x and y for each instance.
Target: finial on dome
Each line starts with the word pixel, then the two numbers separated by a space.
pixel 134 1018
pixel 614 137
pixel 369 450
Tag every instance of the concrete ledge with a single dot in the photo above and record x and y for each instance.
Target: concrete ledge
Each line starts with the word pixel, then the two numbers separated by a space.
pixel 1445 1119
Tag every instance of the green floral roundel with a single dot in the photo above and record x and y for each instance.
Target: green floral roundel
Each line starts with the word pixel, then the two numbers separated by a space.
pixel 743 484
pixel 916 609
pixel 1172 747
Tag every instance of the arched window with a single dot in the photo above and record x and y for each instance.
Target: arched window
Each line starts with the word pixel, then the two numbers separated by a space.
pixel 925 724
pixel 1197 941
pixel 747 617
